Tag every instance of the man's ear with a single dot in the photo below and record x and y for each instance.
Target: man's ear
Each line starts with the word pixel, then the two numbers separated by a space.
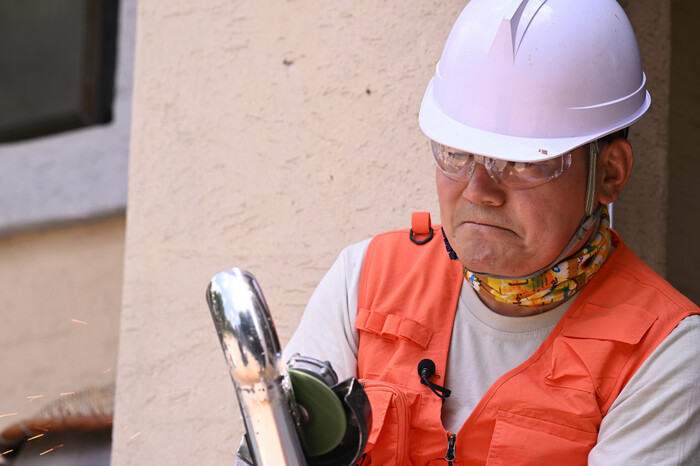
pixel 614 168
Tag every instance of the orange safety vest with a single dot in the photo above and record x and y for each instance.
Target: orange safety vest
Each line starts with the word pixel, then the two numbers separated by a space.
pixel 547 410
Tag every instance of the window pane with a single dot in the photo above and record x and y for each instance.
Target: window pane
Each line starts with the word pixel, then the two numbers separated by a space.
pixel 57 65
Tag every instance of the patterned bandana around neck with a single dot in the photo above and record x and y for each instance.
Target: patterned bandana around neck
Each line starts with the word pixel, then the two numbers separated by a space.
pixel 555 284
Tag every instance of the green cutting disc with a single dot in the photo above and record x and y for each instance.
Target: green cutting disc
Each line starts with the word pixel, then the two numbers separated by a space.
pixel 326 423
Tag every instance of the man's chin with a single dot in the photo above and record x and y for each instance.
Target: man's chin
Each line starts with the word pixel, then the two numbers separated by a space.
pixel 491 263
pixel 485 266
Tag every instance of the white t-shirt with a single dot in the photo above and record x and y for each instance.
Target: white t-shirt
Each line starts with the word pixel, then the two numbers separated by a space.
pixel 655 419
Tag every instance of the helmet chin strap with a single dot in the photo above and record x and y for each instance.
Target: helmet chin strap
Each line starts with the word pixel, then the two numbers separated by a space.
pixel 591 220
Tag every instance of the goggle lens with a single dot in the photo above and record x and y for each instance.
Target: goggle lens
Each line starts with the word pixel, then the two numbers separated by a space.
pixel 459 166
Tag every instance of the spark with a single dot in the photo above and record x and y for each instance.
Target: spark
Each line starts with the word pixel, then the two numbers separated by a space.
pixel 36 436
pixel 79 321
pixel 108 370
pixel 6 452
pixel 10 414
pixel 50 449
pixel 34 397
pixel 135 435
pixel 67 393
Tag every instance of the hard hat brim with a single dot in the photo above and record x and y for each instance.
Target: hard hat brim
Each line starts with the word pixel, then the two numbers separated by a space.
pixel 442 129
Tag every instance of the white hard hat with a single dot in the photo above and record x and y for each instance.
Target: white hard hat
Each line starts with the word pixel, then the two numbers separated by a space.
pixel 528 80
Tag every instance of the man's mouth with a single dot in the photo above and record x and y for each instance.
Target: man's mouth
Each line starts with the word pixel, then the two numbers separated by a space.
pixel 487 225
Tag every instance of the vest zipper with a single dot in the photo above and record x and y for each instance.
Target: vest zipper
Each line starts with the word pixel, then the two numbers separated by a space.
pixel 450 455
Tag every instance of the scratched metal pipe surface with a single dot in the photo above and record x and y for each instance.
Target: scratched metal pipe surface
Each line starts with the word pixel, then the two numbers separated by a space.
pixel 252 350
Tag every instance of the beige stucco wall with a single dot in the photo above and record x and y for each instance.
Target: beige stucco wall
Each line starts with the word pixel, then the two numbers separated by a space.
pixel 268 135
pixel 48 279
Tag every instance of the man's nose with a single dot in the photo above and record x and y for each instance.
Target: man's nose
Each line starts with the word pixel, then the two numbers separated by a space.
pixel 482 189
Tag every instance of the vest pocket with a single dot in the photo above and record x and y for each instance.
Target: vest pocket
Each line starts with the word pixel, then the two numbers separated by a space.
pixel 524 440
pixel 391 420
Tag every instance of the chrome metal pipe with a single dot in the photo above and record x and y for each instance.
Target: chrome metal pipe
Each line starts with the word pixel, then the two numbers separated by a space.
pixel 249 340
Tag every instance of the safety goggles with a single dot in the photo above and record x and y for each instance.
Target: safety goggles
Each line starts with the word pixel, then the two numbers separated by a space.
pixel 459 166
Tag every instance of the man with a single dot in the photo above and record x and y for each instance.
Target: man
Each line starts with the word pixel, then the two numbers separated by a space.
pixel 558 345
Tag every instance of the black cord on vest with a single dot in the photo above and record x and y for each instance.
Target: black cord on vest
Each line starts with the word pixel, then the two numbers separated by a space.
pixel 426 369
